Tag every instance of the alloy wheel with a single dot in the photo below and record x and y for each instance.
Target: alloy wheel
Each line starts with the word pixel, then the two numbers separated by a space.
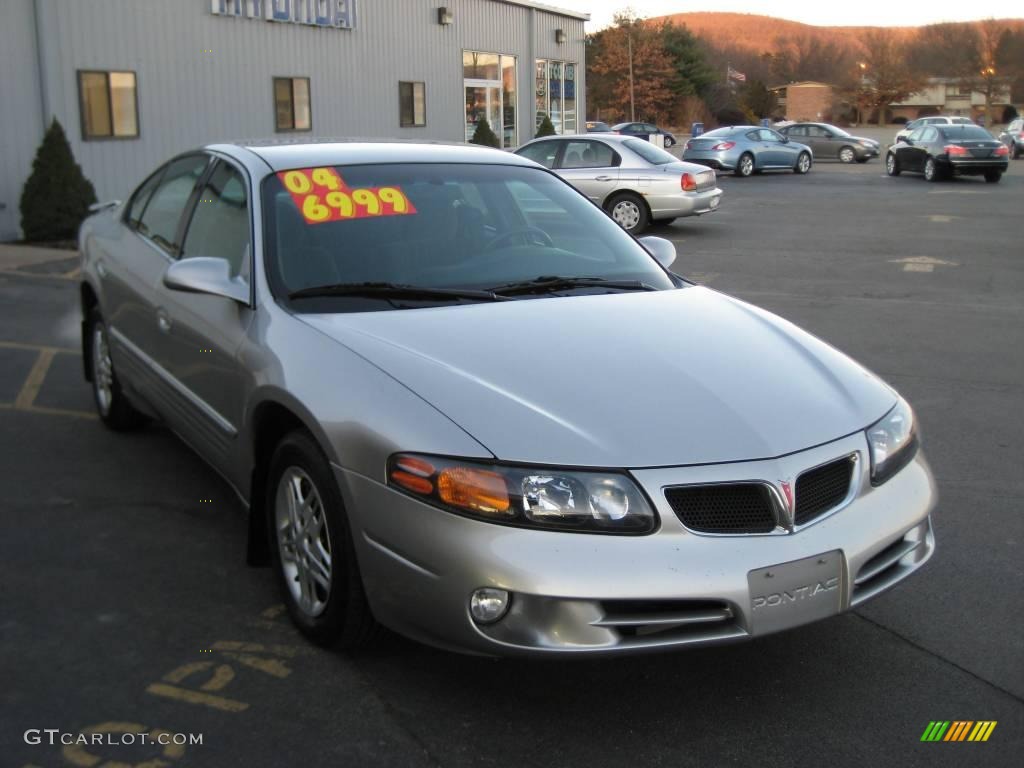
pixel 804 163
pixel 102 369
pixel 847 155
pixel 303 540
pixel 929 169
pixel 890 164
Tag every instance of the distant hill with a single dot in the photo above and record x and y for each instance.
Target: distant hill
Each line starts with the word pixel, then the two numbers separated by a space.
pixel 759 33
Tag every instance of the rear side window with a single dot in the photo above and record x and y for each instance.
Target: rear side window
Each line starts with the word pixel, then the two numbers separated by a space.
pixel 542 152
pixel 220 223
pixel 159 221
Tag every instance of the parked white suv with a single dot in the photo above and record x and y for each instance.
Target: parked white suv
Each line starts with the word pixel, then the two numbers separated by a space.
pixel 934 120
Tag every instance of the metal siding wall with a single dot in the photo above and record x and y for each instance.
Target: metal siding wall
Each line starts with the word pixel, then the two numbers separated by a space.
pixel 188 98
pixel 21 123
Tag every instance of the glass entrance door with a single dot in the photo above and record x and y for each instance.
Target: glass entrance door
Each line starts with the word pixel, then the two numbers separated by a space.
pixel 483 100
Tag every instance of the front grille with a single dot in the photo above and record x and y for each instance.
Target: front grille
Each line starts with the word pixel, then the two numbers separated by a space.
pixel 821 489
pixel 737 508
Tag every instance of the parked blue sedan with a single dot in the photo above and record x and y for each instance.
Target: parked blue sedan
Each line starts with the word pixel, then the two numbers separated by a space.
pixel 747 149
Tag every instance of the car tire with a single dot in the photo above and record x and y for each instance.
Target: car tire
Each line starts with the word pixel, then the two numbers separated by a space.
pixel 629 211
pixel 931 170
pixel 993 177
pixel 847 155
pixel 112 406
pixel 892 164
pixel 312 551
pixel 803 163
pixel 745 165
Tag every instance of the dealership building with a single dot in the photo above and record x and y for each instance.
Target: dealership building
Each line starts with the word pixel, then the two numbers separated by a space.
pixel 136 81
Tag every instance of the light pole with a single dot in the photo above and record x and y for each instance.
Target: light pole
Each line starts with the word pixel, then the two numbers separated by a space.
pixel 632 108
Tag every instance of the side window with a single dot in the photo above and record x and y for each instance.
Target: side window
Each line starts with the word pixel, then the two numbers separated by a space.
pixel 929 134
pixel 162 214
pixel 754 135
pixel 588 154
pixel 916 135
pixel 220 222
pixel 140 197
pixel 767 135
pixel 542 152
pixel 796 130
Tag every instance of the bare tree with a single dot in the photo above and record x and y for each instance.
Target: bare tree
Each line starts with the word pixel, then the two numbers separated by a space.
pixel 887 78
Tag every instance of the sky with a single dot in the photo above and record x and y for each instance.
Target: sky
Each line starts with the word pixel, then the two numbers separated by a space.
pixel 825 13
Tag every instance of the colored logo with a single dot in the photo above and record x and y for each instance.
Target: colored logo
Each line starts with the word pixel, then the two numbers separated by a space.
pixel 958 730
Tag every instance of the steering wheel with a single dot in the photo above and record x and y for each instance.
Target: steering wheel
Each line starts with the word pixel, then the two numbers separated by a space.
pixel 528 234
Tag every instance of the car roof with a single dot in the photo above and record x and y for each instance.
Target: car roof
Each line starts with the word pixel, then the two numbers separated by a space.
pixel 612 138
pixel 284 154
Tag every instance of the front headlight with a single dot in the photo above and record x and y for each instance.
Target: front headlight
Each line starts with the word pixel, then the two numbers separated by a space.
pixel 892 441
pixel 531 497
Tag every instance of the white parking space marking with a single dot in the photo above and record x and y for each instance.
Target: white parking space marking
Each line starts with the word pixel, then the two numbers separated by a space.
pixel 922 263
pixel 702 277
pixel 957 192
pixel 940 218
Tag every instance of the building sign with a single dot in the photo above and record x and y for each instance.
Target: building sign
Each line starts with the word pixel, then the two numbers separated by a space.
pixel 318 13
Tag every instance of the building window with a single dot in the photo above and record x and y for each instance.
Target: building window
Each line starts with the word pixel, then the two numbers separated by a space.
pixel 489 81
pixel 412 105
pixel 108 105
pixel 556 94
pixel 291 104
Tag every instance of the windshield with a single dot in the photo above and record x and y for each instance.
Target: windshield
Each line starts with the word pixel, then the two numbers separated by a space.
pixel 650 153
pixel 451 226
pixel 968 132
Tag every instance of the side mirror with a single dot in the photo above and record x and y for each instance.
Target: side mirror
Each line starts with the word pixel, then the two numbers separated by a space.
pixel 902 139
pixel 206 275
pixel 663 251
pixel 785 138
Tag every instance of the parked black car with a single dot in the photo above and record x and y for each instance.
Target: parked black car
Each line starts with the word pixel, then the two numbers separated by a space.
pixel 644 131
pixel 829 142
pixel 596 126
pixel 943 151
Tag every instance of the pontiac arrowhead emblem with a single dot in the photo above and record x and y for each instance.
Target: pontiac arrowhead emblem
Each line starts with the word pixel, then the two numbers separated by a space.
pixel 790 506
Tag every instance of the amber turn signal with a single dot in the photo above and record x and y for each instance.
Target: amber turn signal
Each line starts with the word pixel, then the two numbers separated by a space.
pixel 474 489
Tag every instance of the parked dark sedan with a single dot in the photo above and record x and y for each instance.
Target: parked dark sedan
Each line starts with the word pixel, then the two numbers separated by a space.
pixel 644 131
pixel 829 142
pixel 596 126
pixel 1013 138
pixel 943 151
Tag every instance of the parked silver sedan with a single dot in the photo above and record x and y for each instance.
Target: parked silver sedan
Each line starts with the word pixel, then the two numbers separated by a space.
pixel 458 400
pixel 633 180
pixel 747 149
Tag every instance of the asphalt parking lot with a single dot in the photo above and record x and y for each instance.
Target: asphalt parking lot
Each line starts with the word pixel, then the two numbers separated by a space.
pixel 127 604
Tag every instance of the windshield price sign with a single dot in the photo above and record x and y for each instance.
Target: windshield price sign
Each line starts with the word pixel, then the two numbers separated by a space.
pixel 322 196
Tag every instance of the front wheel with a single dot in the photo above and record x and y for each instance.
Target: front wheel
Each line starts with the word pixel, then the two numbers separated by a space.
pixel 111 404
pixel 803 163
pixel 892 165
pixel 312 547
pixel 993 177
pixel 629 212
pixel 931 170
pixel 847 155
pixel 745 166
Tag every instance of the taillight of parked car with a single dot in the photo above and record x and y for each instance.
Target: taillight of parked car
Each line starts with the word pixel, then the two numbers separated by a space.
pixel 955 150
pixel 1003 151
pixel 688 182
pixel 723 145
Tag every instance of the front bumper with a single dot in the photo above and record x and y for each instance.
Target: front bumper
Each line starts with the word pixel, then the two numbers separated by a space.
pixel 594 594
pixel 866 153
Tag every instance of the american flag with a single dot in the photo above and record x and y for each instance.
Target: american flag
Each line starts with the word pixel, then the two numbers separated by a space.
pixel 738 76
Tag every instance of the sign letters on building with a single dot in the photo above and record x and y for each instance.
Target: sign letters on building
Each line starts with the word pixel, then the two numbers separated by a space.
pixel 320 13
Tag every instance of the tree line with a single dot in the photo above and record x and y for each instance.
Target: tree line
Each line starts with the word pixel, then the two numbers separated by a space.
pixel 679 77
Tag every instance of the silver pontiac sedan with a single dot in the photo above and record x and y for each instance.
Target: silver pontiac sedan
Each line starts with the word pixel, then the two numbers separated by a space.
pixel 634 181
pixel 457 400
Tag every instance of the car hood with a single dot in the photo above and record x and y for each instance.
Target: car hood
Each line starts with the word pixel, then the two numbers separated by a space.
pixel 662 378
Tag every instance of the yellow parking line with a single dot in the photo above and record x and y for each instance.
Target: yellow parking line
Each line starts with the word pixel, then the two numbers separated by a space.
pixel 38 347
pixel 30 389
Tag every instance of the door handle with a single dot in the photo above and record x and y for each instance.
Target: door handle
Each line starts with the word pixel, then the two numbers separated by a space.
pixel 603 178
pixel 163 321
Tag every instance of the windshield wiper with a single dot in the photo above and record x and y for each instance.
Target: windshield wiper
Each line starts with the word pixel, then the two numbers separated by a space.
pixel 556 283
pixel 393 291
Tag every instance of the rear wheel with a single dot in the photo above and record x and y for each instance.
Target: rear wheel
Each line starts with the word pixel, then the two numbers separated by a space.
pixel 992 177
pixel 892 165
pixel 111 404
pixel 312 547
pixel 745 166
pixel 847 155
pixel 931 170
pixel 629 212
pixel 803 163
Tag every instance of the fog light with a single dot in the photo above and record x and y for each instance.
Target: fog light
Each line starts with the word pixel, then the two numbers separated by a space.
pixel 488 605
